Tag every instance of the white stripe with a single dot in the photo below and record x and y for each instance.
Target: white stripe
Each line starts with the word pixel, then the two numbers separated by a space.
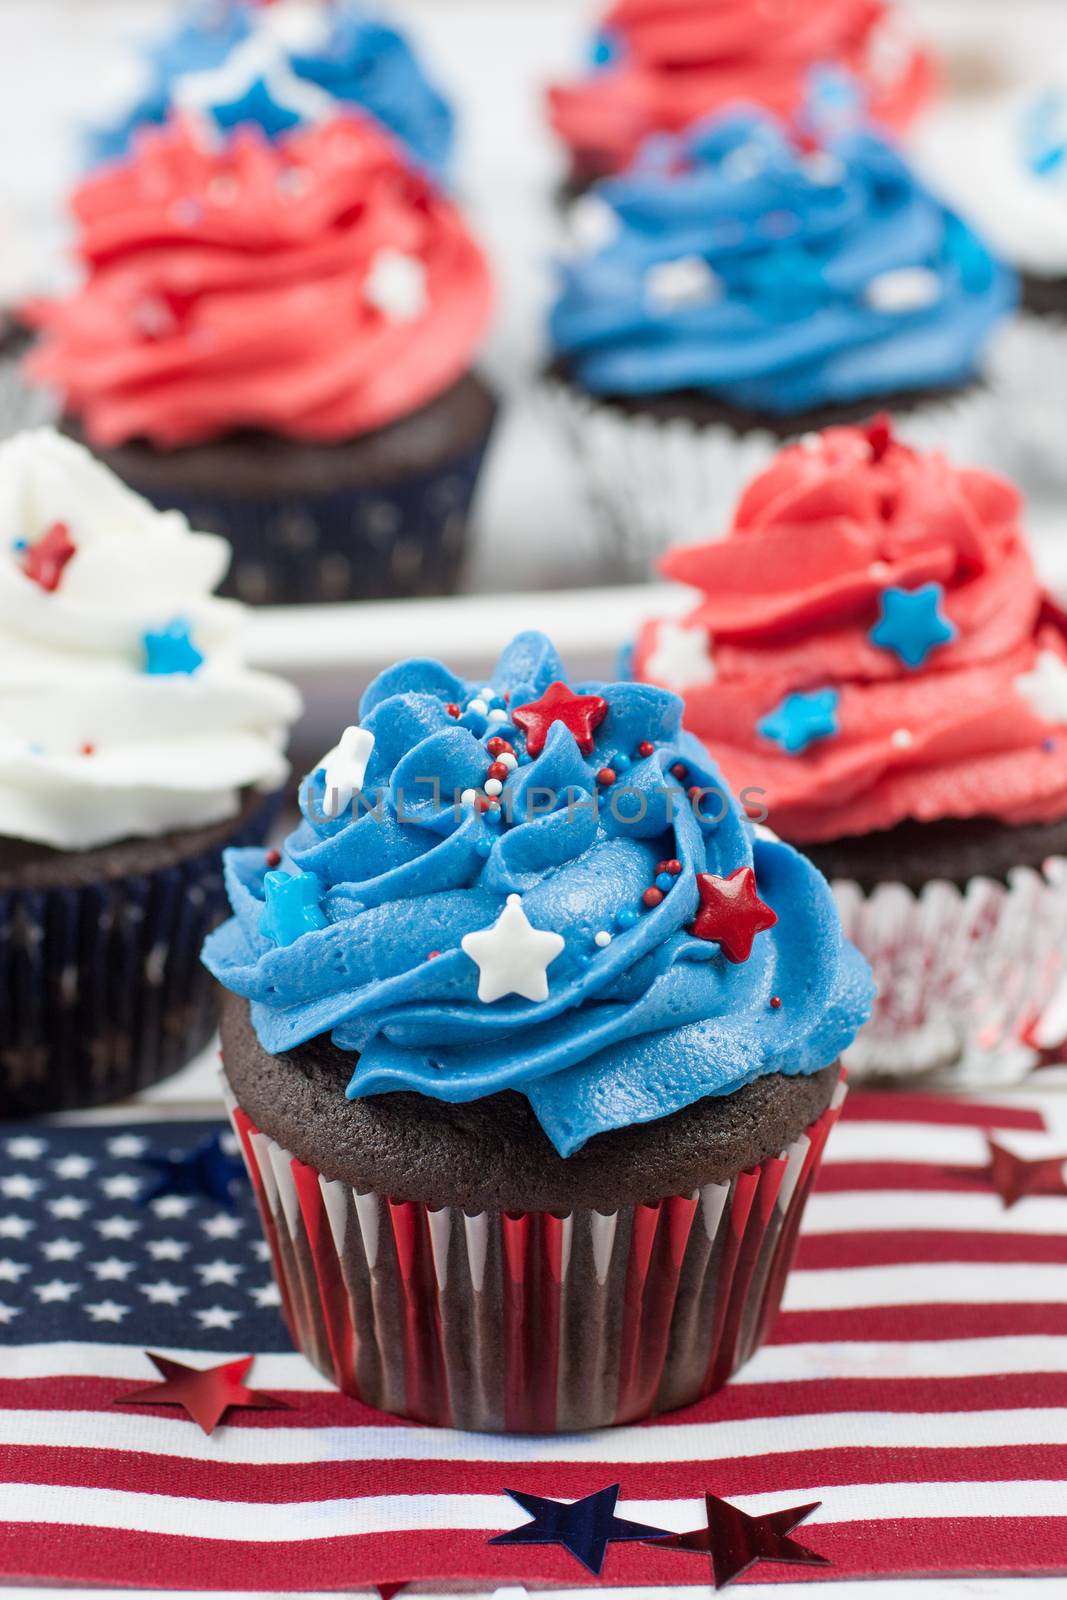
pixel 927 1210
pixel 927 1283
pixel 776 1363
pixel 936 1144
pixel 247 1523
pixel 719 1441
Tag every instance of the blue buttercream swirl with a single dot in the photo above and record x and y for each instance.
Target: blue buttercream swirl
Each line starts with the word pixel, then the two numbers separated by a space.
pixel 361 62
pixel 809 277
pixel 632 1029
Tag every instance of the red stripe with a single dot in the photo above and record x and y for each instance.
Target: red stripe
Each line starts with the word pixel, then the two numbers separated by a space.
pixel 874 1105
pixel 837 1177
pixel 917 1322
pixel 734 1403
pixel 818 1252
pixel 1030 1546
pixel 313 1482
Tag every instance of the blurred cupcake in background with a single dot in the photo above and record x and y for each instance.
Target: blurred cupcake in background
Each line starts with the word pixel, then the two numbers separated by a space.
pixel 660 65
pixel 1005 165
pixel 22 404
pixel 873 663
pixel 744 286
pixel 282 64
pixel 277 337
pixel 134 745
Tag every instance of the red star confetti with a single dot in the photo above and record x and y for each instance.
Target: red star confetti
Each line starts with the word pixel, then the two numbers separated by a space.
pixel 206 1394
pixel 736 1541
pixel 1014 1178
pixel 731 912
pixel 579 713
pixel 45 560
pixel 388 1590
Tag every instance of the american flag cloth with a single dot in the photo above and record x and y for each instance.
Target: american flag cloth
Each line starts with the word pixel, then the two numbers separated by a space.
pixel 915 1384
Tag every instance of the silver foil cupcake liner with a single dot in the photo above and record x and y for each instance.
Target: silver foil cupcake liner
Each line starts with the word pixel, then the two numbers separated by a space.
pixel 967 978
pixel 1029 372
pixel 651 483
pixel 530 1322
pixel 102 990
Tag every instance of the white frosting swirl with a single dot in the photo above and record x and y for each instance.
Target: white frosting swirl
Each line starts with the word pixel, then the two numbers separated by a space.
pixel 93 747
pixel 980 160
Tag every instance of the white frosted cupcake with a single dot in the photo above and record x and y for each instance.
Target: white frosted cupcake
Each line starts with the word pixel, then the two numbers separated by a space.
pixel 135 744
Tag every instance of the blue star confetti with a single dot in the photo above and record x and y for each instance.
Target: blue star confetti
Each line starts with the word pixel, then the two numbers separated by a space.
pixel 209 1170
pixel 800 719
pixel 585 1528
pixel 912 623
pixel 171 650
pixel 257 104
pixel 292 906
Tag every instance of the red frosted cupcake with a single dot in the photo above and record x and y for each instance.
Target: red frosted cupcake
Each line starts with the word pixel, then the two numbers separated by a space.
pixel 660 65
pixel 278 339
pixel 874 664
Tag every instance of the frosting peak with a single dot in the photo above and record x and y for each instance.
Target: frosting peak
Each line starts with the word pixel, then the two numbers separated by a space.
pixel 240 283
pixel 743 263
pixel 126 709
pixel 594 926
pixel 661 66
pixel 901 590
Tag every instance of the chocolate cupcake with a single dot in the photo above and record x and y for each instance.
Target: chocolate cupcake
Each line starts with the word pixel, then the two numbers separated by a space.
pixel 748 288
pixel 876 668
pixel 276 338
pixel 531 1055
pixel 656 68
pixel 283 64
pixel 134 746
pixel 1007 169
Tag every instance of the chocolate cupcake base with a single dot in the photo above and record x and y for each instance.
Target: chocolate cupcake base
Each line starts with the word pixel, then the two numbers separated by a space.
pixel 637 1281
pixel 102 992
pixel 383 516
pixel 669 469
pixel 964 923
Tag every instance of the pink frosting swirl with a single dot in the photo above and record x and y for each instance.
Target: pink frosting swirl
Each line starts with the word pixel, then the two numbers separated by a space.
pixel 685 59
pixel 791 597
pixel 317 286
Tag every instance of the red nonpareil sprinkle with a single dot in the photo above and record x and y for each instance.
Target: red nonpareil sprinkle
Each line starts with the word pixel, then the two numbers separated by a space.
pixel 485 804
pixel 274 858
pixel 606 777
pixel 680 770
pixel 652 897
pixel 673 867
pixel 452 709
pixel 88 749
pixel 776 1001
pixel 497 746
pixel 645 748
pixel 433 955
pixel 499 771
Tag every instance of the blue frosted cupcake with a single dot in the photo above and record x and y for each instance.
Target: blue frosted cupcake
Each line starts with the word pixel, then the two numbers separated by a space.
pixel 532 1047
pixel 743 288
pixel 279 65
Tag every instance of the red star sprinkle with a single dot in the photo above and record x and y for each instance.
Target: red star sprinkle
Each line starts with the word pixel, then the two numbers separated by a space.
pixel 731 912
pixel 205 1393
pixel 580 713
pixel 1014 1178
pixel 736 1541
pixel 879 435
pixel 45 560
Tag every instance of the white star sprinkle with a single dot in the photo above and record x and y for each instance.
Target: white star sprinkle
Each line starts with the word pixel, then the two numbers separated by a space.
pixel 345 767
pixel 107 1311
pixel 681 658
pixel 512 957
pixel 216 1317
pixel 1044 687
pixel 904 289
pixel 396 284
pixel 689 281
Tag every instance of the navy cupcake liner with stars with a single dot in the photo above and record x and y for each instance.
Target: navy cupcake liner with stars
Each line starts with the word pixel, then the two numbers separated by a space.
pixel 530 1323
pixel 378 541
pixel 102 992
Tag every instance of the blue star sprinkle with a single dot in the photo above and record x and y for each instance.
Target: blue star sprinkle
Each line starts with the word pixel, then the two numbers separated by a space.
pixel 912 623
pixel 257 104
pixel 800 719
pixel 170 650
pixel 584 1528
pixel 292 907
pixel 209 1170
